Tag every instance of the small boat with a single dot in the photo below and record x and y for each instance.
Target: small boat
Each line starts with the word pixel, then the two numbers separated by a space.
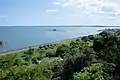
pixel 54 30
pixel 1 43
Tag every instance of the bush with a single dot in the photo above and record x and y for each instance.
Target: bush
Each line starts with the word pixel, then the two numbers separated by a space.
pixel 92 72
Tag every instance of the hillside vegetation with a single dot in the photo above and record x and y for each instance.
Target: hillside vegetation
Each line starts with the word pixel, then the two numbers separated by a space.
pixel 92 57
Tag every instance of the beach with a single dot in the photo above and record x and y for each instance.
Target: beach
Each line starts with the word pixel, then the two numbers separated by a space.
pixel 36 46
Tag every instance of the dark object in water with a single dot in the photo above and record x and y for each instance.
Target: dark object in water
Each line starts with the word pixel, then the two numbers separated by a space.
pixel 54 30
pixel 1 43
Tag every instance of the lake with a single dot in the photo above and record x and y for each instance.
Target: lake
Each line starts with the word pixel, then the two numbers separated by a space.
pixel 20 37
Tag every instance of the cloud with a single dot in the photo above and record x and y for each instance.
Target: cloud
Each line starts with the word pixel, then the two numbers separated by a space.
pixel 56 3
pixel 52 10
pixel 101 7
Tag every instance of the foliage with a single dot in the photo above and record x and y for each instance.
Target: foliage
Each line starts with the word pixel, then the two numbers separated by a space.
pixel 93 72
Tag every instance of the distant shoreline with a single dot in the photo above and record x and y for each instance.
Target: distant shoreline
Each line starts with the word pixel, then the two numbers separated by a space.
pixel 61 26
pixel 17 50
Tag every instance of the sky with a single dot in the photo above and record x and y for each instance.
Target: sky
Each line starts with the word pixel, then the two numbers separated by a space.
pixel 59 12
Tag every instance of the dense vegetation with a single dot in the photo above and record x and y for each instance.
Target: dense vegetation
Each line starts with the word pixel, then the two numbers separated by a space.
pixel 93 57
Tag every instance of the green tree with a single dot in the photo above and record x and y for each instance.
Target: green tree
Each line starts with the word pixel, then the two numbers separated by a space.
pixel 85 38
pixel 92 72
pixel 62 50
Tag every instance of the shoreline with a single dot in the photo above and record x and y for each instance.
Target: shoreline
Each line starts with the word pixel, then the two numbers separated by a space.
pixel 34 46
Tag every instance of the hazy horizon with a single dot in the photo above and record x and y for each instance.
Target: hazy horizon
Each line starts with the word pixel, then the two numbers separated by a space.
pixel 60 25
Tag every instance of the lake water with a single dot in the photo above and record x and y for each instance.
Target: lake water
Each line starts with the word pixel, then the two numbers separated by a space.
pixel 20 37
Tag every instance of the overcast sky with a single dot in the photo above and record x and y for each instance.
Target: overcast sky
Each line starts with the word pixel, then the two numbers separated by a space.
pixel 59 12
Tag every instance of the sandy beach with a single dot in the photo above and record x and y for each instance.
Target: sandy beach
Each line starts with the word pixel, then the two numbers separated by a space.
pixel 17 50
pixel 35 46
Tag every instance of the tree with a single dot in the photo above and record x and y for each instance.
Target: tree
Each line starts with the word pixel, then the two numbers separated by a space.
pixel 50 53
pixel 75 63
pixel 92 72
pixel 91 37
pixel 85 38
pixel 62 50
pixel 98 45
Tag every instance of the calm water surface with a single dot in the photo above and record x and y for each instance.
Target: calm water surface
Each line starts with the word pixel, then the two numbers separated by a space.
pixel 19 37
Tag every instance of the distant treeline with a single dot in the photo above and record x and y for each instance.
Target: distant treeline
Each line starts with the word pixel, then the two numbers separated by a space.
pixel 61 26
